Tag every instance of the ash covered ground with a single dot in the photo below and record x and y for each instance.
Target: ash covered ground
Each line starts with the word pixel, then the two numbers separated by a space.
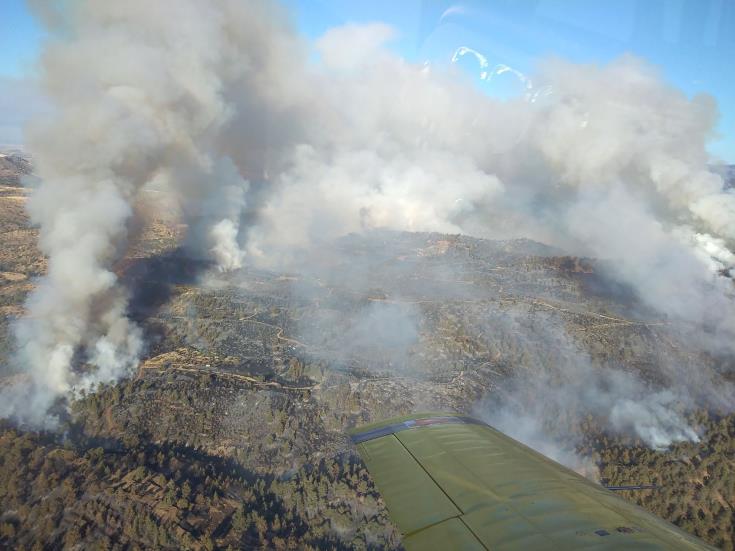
pixel 231 431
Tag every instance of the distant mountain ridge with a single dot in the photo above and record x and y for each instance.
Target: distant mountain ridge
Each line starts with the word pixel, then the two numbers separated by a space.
pixel 14 164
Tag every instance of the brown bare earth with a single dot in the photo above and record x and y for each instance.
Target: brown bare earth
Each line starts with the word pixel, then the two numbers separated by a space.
pixel 231 432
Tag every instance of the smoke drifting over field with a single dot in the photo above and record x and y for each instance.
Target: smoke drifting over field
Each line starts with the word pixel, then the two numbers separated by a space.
pixel 268 154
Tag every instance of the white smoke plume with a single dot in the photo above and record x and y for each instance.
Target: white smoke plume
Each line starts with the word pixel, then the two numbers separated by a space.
pixel 544 409
pixel 269 154
pixel 562 387
pixel 138 94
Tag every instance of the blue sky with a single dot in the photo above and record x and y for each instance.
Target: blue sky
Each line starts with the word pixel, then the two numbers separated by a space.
pixel 20 38
pixel 691 41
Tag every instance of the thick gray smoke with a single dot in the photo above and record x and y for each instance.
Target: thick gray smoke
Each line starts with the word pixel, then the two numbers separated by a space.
pixel 543 405
pixel 564 394
pixel 139 96
pixel 268 154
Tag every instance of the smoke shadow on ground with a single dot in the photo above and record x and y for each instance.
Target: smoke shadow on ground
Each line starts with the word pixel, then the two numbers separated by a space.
pixel 603 284
pixel 151 280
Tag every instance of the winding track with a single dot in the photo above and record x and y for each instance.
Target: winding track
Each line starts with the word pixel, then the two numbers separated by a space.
pixel 225 375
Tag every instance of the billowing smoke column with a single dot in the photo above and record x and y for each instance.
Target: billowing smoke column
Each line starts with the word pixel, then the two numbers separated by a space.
pixel 140 92
pixel 208 96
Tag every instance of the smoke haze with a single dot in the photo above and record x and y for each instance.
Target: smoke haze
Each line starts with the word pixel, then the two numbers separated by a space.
pixel 268 154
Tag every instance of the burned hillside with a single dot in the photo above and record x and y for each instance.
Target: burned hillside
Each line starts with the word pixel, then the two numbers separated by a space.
pixel 231 431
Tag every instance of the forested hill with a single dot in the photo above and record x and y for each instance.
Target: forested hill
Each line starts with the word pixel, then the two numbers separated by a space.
pixel 231 432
